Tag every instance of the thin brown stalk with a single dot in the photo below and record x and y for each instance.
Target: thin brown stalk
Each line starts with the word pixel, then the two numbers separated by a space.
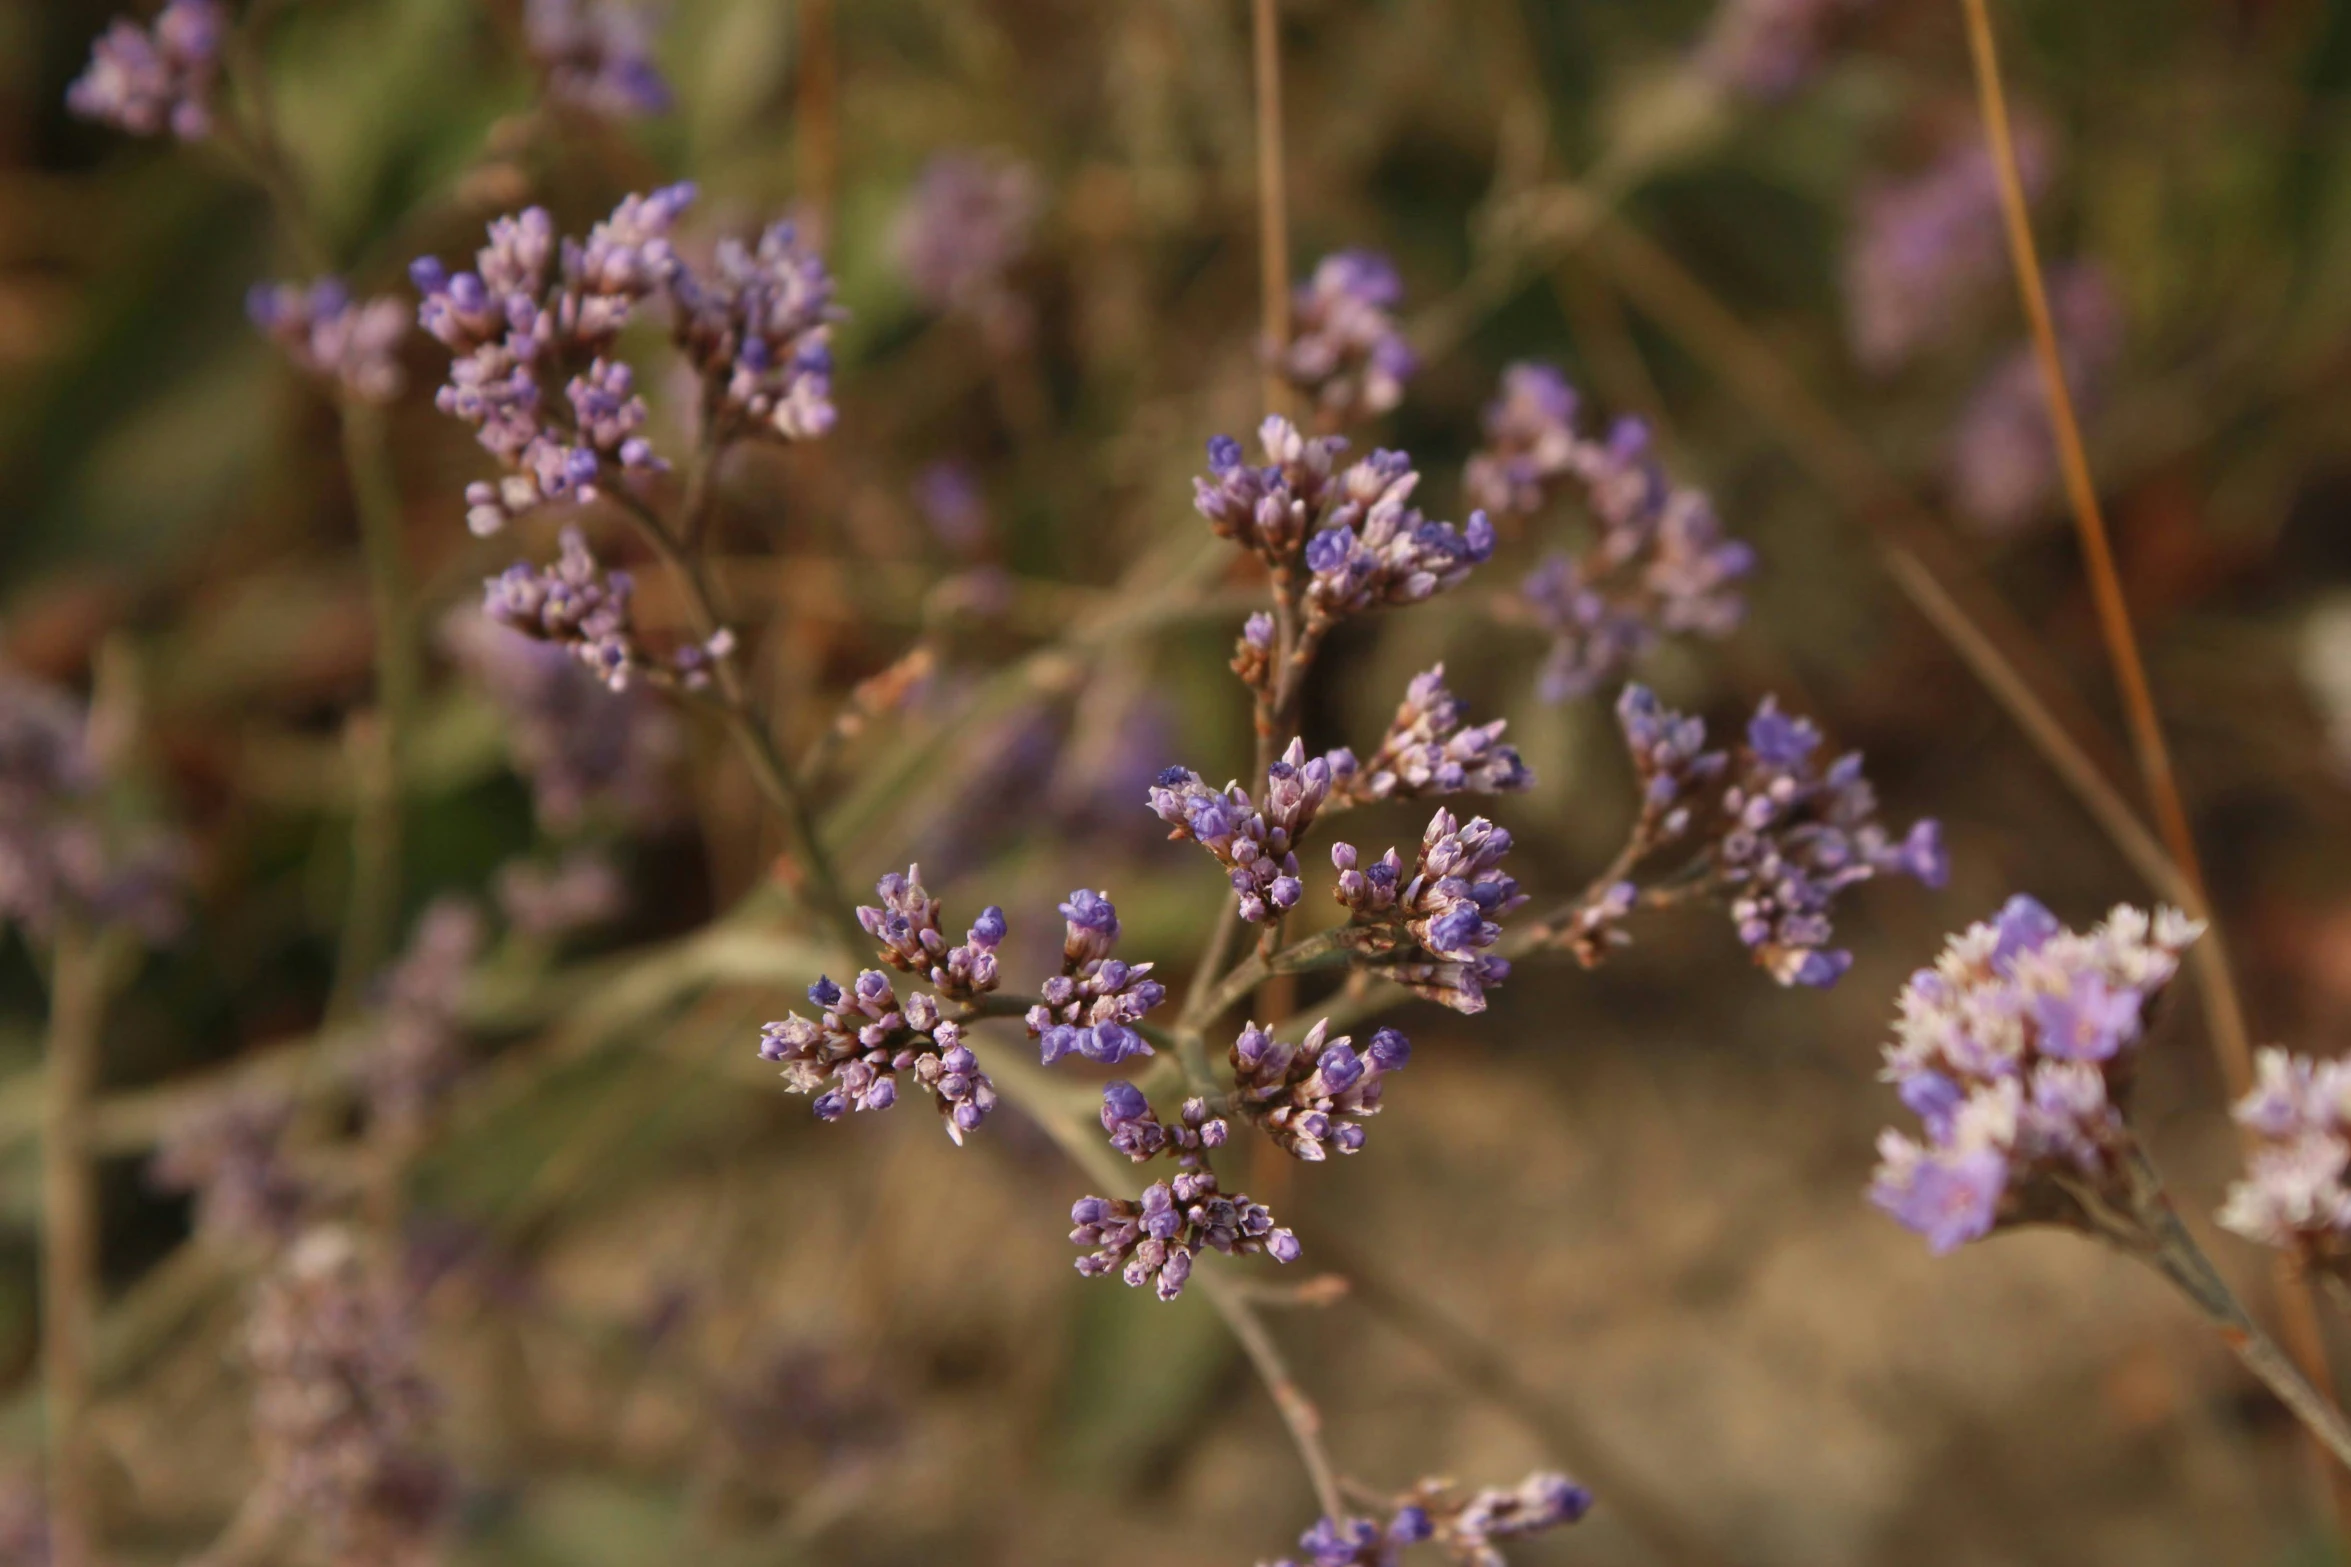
pixel 1297 1410
pixel 2223 1008
pixel 816 124
pixel 1273 200
pixel 69 1238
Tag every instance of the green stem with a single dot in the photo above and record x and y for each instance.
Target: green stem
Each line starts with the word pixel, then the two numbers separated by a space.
pixel 1316 951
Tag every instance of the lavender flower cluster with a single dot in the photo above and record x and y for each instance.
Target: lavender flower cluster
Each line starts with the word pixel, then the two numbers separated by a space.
pixel 1346 355
pixel 1429 750
pixel 535 314
pixel 228 1155
pixel 420 1053
pixel 2014 1051
pixel 1659 565
pixel 851 1056
pixel 1433 932
pixel 2002 461
pixel 585 608
pixel 966 224
pixel 1090 1008
pixel 146 80
pixel 1254 845
pixel 596 55
pixel 1781 841
pixel 1466 1528
pixel 1153 1239
pixel 2294 1194
pixel 1313 1097
pixel 326 333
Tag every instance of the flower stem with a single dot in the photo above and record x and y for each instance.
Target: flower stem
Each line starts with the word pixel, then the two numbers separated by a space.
pixel 1273 201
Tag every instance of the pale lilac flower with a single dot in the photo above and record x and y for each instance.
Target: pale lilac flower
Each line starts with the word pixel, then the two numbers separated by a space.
pixel 759 331
pixel 907 926
pixel 1090 1008
pixel 531 332
pixel 2013 1051
pixel 596 55
pixel 1434 1511
pixel 324 331
pixel 549 902
pixel 851 1057
pixel 341 1406
pixel 1255 847
pixel 1152 1241
pixel 1375 550
pixel 144 80
pixel 1924 250
pixel 1346 355
pixel 1313 1097
pixel 951 502
pixel 1768 48
pixel 1659 563
pixel 419 1051
pixel 1139 1133
pixel 2002 459
pixel 1428 750
pixel 584 748
pixel 1431 931
pixel 963 228
pixel 227 1154
pixel 575 604
pixel 1269 509
pixel 2293 1194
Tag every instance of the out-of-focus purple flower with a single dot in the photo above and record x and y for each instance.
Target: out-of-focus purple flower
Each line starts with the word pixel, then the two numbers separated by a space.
pixel 949 498
pixel 1313 1097
pixel 851 1056
pixel 2012 1051
pixel 420 1051
pixel 145 80
pixel 1659 565
pixel 1768 48
pixel 355 344
pixel 1434 1510
pixel 59 856
pixel 1346 354
pixel 759 331
pixel 907 926
pixel 530 332
pixel 2002 459
pixel 1154 1239
pixel 596 55
pixel 1090 1007
pixel 574 604
pixel 2293 1194
pixel 341 1406
pixel 549 902
pixel 1431 932
pixel 1375 550
pixel 1428 750
pixel 1925 249
pixel 1254 847
pixel 583 747
pixel 227 1154
pixel 963 228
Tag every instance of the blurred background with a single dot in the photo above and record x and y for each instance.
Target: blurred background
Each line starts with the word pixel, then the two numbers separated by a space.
pixel 668 1314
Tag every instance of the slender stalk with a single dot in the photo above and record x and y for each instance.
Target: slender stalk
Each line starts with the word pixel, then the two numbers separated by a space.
pixel 69 1237
pixel 1273 200
pixel 2223 1008
pixel 1297 1410
pixel 1316 951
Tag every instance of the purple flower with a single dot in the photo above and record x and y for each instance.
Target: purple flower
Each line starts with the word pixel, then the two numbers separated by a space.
pixel 1431 932
pixel 1375 550
pixel 1924 250
pixel 574 604
pixel 1467 1527
pixel 419 1051
pixel 1271 509
pixel 2011 1051
pixel 547 903
pixel 1313 1097
pixel 1427 751
pixel 1088 1009
pixel 1659 564
pixel 1139 1134
pixel 1768 48
pixel 2002 458
pixel 2293 1194
pixel 907 926
pixel 596 55
pixel 142 80
pixel 1254 847
pixel 1152 1240
pixel 849 1058
pixel 327 334
pixel 949 498
pixel 759 332
pixel 1346 355
pixel 963 228
pixel 228 1155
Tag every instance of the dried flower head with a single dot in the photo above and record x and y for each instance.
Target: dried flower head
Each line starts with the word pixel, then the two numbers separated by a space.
pixel 1090 1008
pixel 2014 1051
pixel 1429 750
pixel 323 330
pixel 581 606
pixel 1313 1097
pixel 1346 355
pixel 907 926
pixel 851 1056
pixel 596 55
pixel 1153 1239
pixel 144 80
pixel 758 331
pixel 1431 931
pixel 2293 1194
pixel 1434 1511
pixel 1254 846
